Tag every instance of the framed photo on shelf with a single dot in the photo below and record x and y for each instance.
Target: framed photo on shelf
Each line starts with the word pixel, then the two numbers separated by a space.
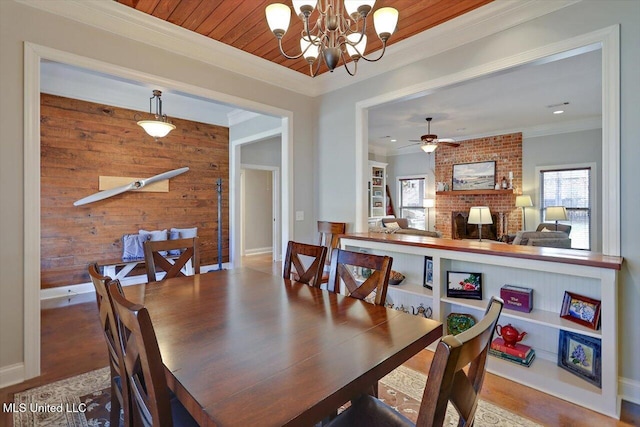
pixel 464 285
pixel 581 355
pixel 377 193
pixel 581 309
pixel 427 276
pixel 474 176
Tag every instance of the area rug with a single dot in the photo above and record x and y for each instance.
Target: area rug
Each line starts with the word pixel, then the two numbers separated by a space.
pixel 84 401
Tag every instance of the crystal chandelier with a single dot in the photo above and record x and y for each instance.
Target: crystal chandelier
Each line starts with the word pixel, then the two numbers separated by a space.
pixel 161 126
pixel 338 33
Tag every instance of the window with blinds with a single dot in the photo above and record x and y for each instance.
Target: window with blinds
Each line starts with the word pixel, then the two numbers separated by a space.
pixel 570 188
pixel 411 191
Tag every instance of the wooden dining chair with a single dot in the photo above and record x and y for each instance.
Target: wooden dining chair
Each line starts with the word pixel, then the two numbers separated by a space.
pixel 329 232
pixel 342 269
pixel 155 261
pixel 447 381
pixel 151 401
pixel 299 254
pixel 119 389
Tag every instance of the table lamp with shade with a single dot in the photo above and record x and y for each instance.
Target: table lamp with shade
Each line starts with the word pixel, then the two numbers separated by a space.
pixel 523 202
pixel 479 215
pixel 556 213
pixel 428 204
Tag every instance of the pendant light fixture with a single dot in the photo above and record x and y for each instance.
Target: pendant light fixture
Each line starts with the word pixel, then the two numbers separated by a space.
pixel 161 126
pixel 338 34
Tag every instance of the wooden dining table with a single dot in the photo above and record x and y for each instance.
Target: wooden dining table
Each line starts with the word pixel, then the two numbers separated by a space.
pixel 242 347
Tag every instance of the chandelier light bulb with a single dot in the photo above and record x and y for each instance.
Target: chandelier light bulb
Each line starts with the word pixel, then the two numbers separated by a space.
pixel 278 18
pixel 385 20
pixel 355 52
pixel 356 8
pixel 337 35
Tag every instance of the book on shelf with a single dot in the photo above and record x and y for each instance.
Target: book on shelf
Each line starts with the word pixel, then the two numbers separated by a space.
pixel 519 350
pixel 504 356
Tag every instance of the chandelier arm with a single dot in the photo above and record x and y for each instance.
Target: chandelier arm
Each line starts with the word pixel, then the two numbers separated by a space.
pixel 289 56
pixel 384 47
pixel 346 67
pixel 318 62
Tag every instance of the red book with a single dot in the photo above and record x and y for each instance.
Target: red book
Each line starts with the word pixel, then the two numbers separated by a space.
pixel 520 350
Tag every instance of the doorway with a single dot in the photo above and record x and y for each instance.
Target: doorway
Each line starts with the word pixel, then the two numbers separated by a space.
pixel 260 211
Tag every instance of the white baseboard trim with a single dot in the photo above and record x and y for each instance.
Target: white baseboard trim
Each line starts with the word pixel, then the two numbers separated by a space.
pixel 629 390
pixel 12 374
pixel 258 251
pixel 86 288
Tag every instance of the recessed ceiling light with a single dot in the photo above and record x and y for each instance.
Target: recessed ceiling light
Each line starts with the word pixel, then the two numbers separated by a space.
pixel 558 112
pixel 394 140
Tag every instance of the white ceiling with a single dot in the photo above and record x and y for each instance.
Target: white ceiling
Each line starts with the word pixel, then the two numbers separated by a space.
pixel 73 82
pixel 518 100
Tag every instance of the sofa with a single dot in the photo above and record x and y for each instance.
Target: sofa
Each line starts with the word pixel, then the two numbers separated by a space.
pixel 401 226
pixel 545 235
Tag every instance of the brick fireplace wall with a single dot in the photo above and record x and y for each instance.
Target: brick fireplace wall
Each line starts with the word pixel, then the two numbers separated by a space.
pixel 506 150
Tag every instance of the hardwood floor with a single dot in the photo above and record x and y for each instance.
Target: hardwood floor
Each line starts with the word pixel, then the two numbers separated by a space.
pixel 72 343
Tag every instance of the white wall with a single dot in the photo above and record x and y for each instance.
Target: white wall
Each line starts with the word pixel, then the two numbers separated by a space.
pixel 264 153
pixel 19 24
pixel 258 218
pixel 337 130
pixel 561 150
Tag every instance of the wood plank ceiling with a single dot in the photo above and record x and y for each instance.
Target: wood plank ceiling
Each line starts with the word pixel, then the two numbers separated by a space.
pixel 242 24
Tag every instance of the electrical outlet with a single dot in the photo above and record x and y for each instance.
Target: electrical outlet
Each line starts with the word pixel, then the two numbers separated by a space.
pixel 299 215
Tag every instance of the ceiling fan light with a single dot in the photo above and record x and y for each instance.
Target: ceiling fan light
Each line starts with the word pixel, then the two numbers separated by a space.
pixel 385 20
pixel 278 17
pixel 155 128
pixel 429 147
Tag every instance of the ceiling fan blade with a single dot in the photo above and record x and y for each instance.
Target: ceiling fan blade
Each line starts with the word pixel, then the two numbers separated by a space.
pixel 410 145
pixel 446 140
pixel 105 194
pixel 160 177
pixel 450 143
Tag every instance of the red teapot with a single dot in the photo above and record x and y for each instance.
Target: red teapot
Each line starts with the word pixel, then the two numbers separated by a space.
pixel 510 335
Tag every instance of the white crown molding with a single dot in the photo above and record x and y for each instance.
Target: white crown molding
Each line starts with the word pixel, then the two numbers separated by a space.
pixel 128 22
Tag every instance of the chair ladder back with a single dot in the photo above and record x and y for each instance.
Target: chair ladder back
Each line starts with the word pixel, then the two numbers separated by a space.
pixel 143 362
pixel 342 260
pixel 447 380
pixel 154 260
pixel 108 322
pixel 293 264
pixel 329 232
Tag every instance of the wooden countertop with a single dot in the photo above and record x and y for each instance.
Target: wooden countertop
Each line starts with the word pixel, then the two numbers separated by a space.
pixel 488 247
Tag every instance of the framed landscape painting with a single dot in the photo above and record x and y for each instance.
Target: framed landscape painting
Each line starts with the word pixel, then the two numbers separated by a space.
pixel 474 176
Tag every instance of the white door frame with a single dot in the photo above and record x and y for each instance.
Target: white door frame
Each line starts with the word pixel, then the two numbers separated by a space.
pixel 33 55
pixel 275 209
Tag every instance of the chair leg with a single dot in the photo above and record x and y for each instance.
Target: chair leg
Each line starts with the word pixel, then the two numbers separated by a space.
pixel 114 415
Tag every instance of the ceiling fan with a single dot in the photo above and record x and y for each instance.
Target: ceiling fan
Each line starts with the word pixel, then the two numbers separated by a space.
pixel 429 142
pixel 135 185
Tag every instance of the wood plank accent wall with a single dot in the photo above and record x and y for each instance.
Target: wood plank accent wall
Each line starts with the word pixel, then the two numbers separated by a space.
pixel 506 150
pixel 81 141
